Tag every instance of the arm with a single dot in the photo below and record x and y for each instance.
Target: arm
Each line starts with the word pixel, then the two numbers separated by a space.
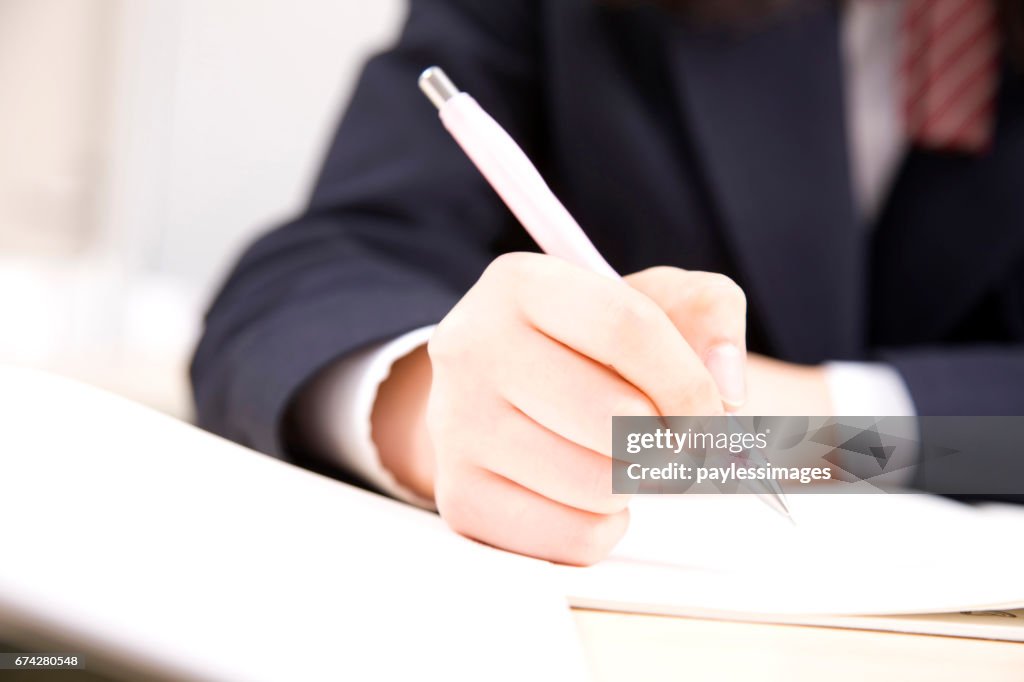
pixel 523 373
pixel 954 381
pixel 967 381
pixel 399 226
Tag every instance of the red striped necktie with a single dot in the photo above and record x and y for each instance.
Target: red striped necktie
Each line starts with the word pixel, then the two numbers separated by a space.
pixel 951 74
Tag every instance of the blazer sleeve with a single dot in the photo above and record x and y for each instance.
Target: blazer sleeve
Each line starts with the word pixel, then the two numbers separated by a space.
pixel 970 381
pixel 399 225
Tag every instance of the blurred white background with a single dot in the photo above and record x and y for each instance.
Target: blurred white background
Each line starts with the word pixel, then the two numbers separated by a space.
pixel 142 144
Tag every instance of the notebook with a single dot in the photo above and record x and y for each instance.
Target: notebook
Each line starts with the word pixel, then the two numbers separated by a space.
pixel 875 561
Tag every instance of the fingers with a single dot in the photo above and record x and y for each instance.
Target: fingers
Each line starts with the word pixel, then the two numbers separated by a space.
pixel 555 468
pixel 567 393
pixel 486 507
pixel 709 310
pixel 615 325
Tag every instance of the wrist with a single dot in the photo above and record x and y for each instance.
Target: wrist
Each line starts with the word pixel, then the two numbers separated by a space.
pixel 399 426
pixel 814 392
pixel 785 389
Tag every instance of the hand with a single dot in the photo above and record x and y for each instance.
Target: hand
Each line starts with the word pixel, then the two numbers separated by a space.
pixel 527 372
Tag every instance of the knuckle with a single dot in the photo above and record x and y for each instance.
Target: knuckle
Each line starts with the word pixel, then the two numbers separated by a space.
pixel 703 301
pixel 663 272
pixel 632 315
pixel 717 279
pixel 510 265
pixel 716 291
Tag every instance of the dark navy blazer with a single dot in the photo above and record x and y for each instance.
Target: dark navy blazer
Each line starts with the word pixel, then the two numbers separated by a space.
pixel 672 145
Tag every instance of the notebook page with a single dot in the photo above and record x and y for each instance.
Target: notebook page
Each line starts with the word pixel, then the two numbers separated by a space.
pixel 847 554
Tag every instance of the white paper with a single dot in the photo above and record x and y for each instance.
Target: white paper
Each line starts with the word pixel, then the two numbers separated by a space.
pixel 847 554
pixel 135 538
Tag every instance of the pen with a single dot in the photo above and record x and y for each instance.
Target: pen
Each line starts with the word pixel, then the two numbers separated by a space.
pixel 519 184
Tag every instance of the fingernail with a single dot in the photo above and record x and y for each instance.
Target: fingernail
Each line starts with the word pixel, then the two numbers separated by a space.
pixel 728 367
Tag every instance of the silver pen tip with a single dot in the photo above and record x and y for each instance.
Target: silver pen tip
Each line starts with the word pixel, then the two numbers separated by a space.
pixel 436 85
pixel 777 501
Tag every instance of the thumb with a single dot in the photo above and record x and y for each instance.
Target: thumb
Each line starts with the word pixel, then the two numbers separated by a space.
pixel 710 311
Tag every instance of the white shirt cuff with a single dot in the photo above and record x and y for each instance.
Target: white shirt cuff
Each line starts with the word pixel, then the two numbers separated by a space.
pixel 865 389
pixel 343 407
